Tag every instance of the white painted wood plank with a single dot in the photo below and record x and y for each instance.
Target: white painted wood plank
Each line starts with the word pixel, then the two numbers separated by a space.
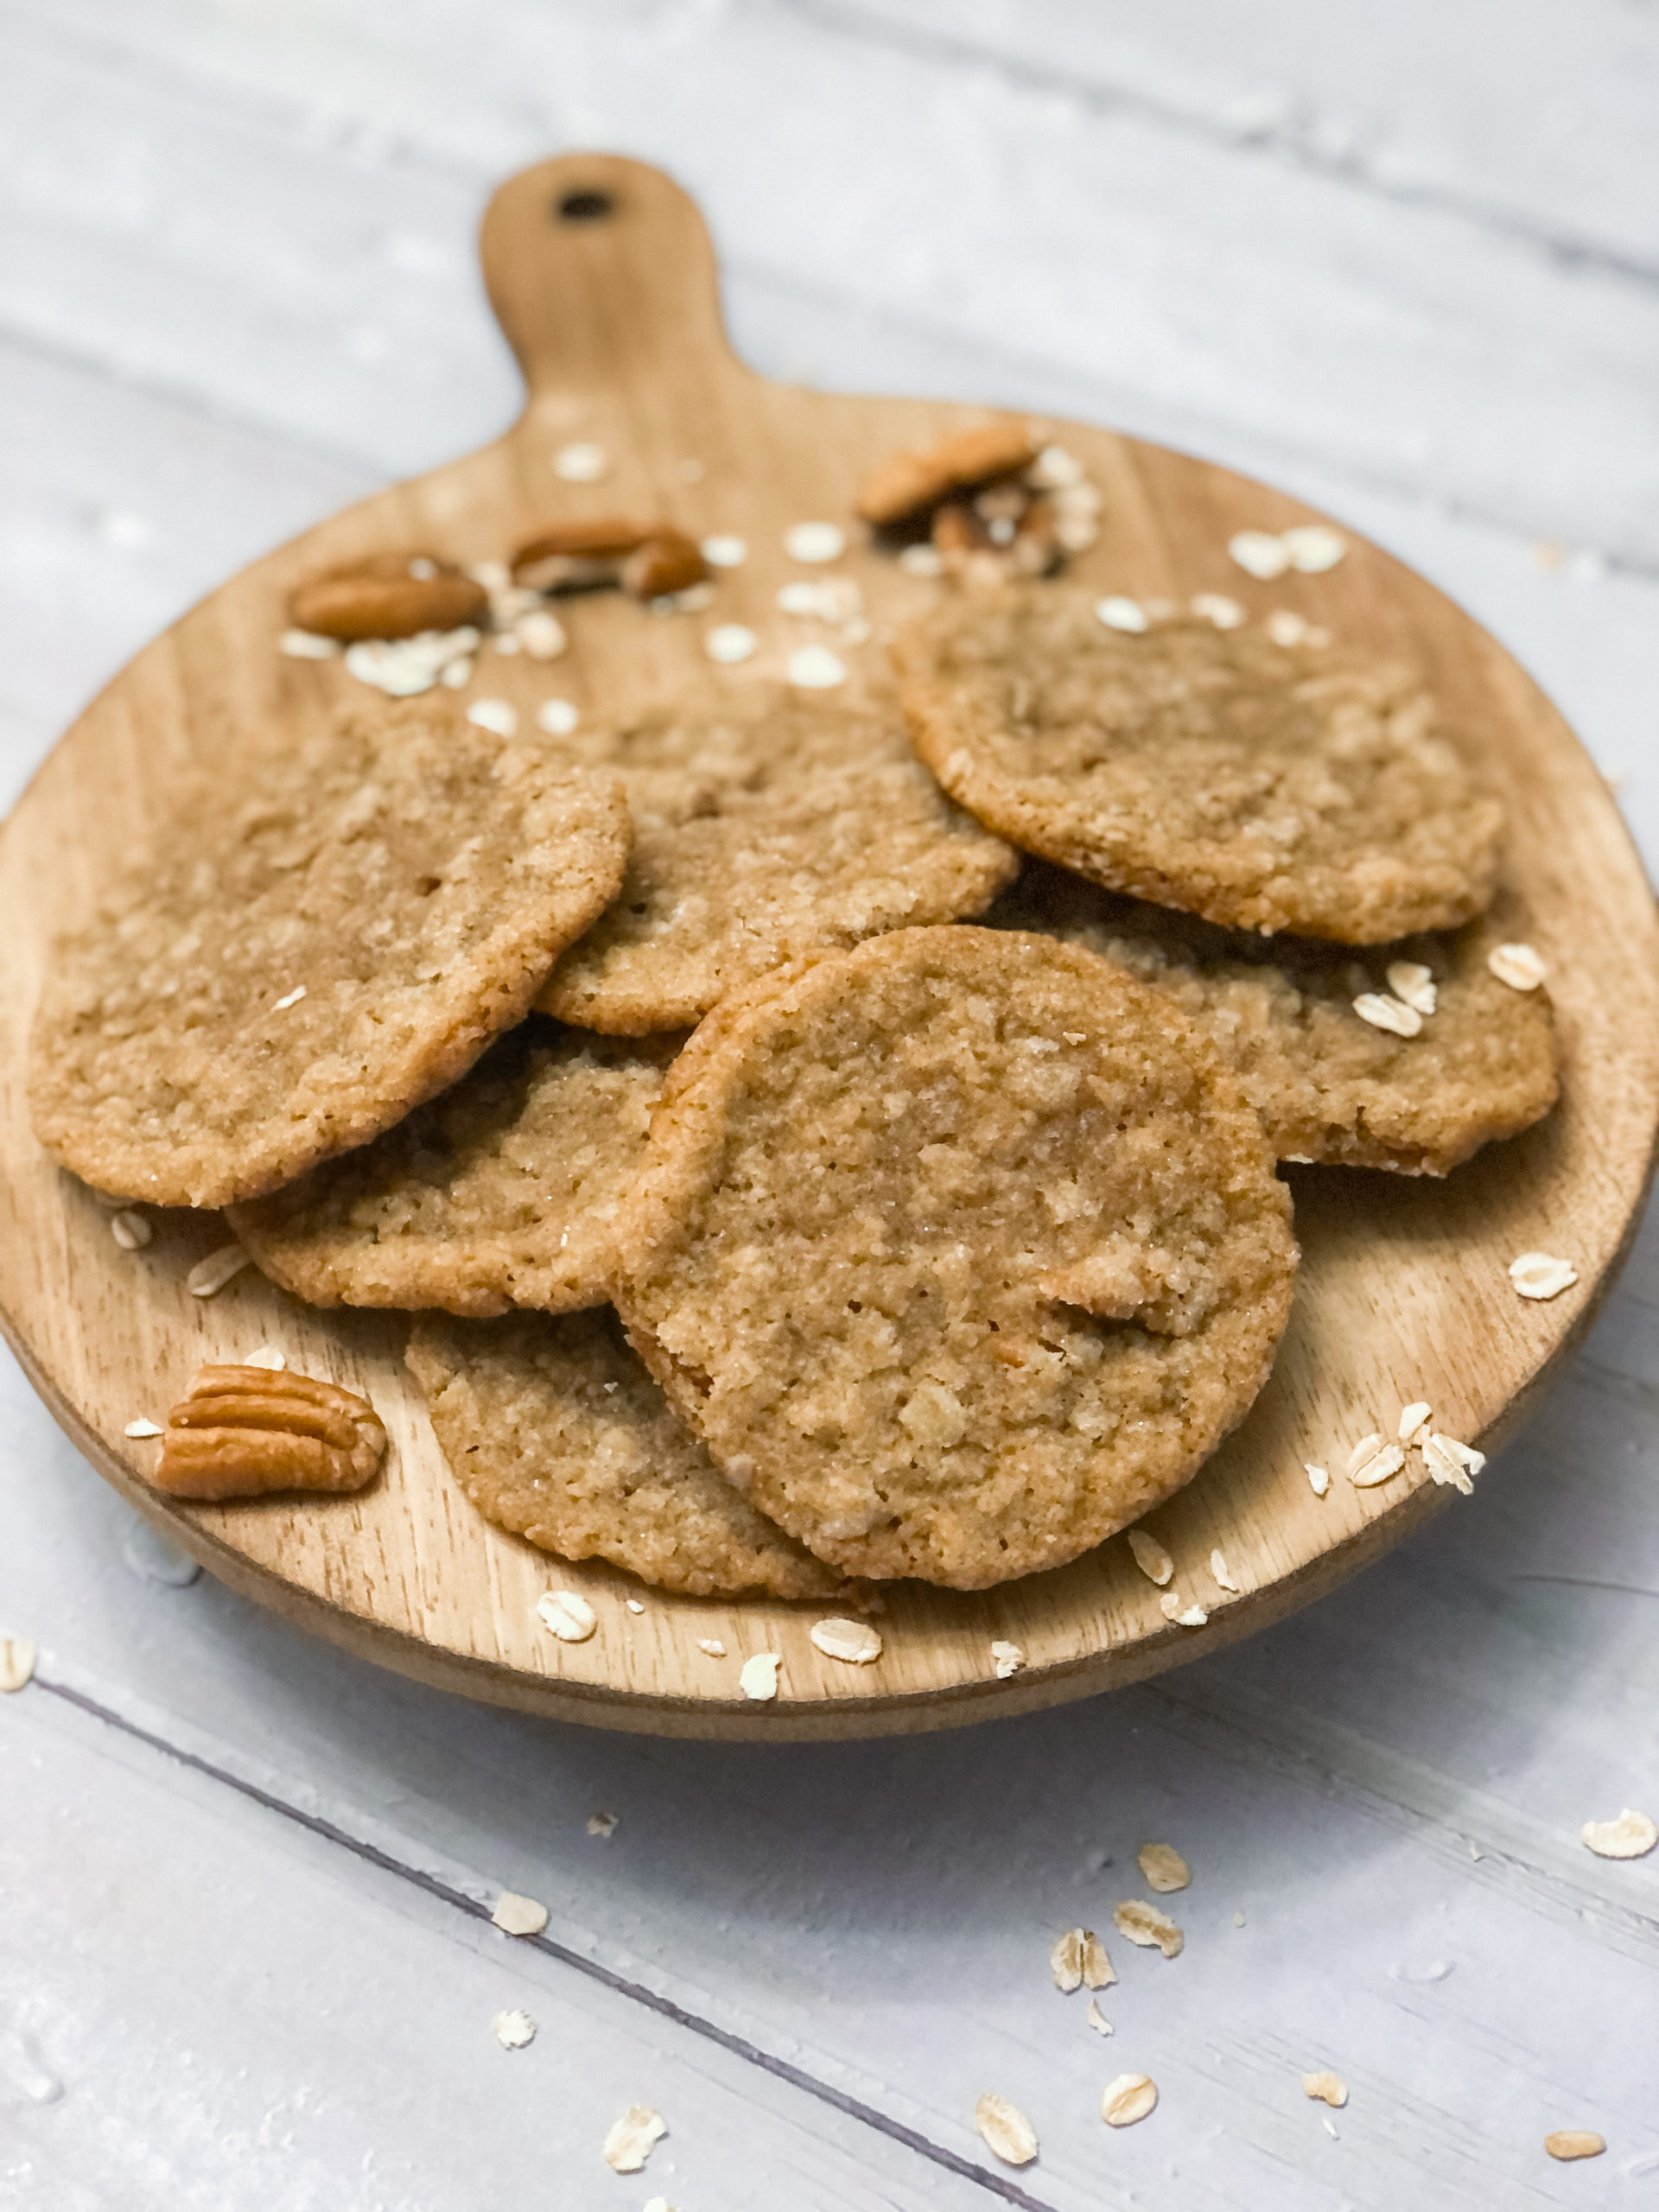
pixel 1536 116
pixel 205 2008
pixel 1251 301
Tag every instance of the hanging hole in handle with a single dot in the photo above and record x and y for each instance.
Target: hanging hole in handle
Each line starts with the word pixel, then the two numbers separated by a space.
pixel 587 204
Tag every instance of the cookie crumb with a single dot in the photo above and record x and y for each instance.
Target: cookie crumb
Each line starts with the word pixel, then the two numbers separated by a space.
pixel 758 1677
pixel 1540 1274
pixel 632 2138
pixel 513 2031
pixel 1005 2130
pixel 1632 1835
pixel 1128 2098
pixel 1006 1659
pixel 517 1915
pixel 856 1641
pixel 209 1276
pixel 1154 1561
pixel 1327 2088
pixel 571 1618
pixel 1575 2142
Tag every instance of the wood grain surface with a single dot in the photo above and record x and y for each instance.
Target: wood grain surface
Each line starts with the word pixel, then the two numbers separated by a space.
pixel 1403 1293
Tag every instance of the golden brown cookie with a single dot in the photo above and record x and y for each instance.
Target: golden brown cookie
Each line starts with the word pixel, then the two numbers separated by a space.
pixel 555 1430
pixel 1264 786
pixel 961 1250
pixel 1329 1084
pixel 761 831
pixel 498 1192
pixel 318 938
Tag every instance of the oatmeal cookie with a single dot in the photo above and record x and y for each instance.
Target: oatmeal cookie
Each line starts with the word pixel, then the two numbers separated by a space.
pixel 497 1193
pixel 760 832
pixel 556 1432
pixel 322 935
pixel 1329 1086
pixel 961 1250
pixel 1264 786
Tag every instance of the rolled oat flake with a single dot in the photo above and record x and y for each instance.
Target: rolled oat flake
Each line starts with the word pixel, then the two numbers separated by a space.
pixel 632 2138
pixel 1126 2099
pixel 1006 2129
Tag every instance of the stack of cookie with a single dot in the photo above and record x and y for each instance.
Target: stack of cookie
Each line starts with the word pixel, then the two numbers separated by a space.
pixel 786 1188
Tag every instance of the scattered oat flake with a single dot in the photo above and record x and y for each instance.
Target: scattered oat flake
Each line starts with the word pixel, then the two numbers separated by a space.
pixel 1390 1013
pixel 1540 1274
pixel 557 717
pixel 1261 553
pixel 131 1231
pixel 1327 2088
pixel 724 552
pixel 517 1915
pixel 513 2031
pixel 499 715
pixel 856 1641
pixel 1150 1557
pixel 921 560
pixel 1575 2142
pixel 1214 606
pixel 603 1824
pixel 1238 1920
pixel 288 999
pixel 1319 1477
pixel 1098 1969
pixel 1184 1616
pixel 815 541
pixel 570 1618
pixel 815 668
pixel 1006 1658
pixel 17 1662
pixel 1313 547
pixel 634 1605
pixel 1412 1418
pixel 1450 1462
pixel 267 1356
pixel 1065 1960
pixel 1413 983
pixel 712 1645
pixel 142 1428
pixel 1632 1835
pixel 1164 1867
pixel 1375 1462
pixel 582 463
pixel 729 642
pixel 1222 1574
pixel 540 633
pixel 307 644
pixel 1330 2126
pixel 1119 613
pixel 1097 2020
pixel 1005 2130
pixel 1517 965
pixel 209 1276
pixel 1286 627
pixel 1055 470
pixel 758 1677
pixel 1128 2098
pixel 632 2138
pixel 1145 1925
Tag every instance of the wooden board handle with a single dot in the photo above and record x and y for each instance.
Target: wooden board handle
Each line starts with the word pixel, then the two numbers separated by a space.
pixel 601 273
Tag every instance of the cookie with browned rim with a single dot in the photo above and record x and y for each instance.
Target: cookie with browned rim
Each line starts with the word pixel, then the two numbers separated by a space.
pixel 961 1250
pixel 1261 785
pixel 320 936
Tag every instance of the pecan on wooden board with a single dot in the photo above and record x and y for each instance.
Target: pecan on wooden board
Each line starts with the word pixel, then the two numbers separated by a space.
pixel 244 1431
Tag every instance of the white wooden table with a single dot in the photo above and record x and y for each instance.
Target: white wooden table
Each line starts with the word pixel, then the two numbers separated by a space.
pixel 1405 261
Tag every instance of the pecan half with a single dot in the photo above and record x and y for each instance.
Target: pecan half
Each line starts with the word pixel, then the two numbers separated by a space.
pixel 388 595
pixel 1006 532
pixel 668 561
pixel 246 1430
pixel 911 483
pixel 578 556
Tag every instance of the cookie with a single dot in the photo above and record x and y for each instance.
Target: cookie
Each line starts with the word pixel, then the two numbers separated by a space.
pixel 556 1432
pixel 321 936
pixel 1329 1084
pixel 961 1250
pixel 1264 786
pixel 498 1193
pixel 762 830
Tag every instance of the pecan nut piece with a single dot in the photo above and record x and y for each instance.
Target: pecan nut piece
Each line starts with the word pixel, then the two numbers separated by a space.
pixel 668 561
pixel 388 595
pixel 578 556
pixel 909 484
pixel 1004 533
pixel 243 1431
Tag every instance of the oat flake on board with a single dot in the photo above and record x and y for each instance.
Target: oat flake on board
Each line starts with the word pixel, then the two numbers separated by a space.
pixel 1632 1835
pixel 1154 1561
pixel 1327 2088
pixel 1541 1274
pixel 570 1618
pixel 632 2138
pixel 856 1641
pixel 1144 1924
pixel 1165 1868
pixel 758 1677
pixel 1128 2098
pixel 519 1916
pixel 1006 1658
pixel 17 1656
pixel 1005 2130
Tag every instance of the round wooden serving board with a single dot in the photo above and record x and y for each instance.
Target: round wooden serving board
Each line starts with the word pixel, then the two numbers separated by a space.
pixel 1403 1293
